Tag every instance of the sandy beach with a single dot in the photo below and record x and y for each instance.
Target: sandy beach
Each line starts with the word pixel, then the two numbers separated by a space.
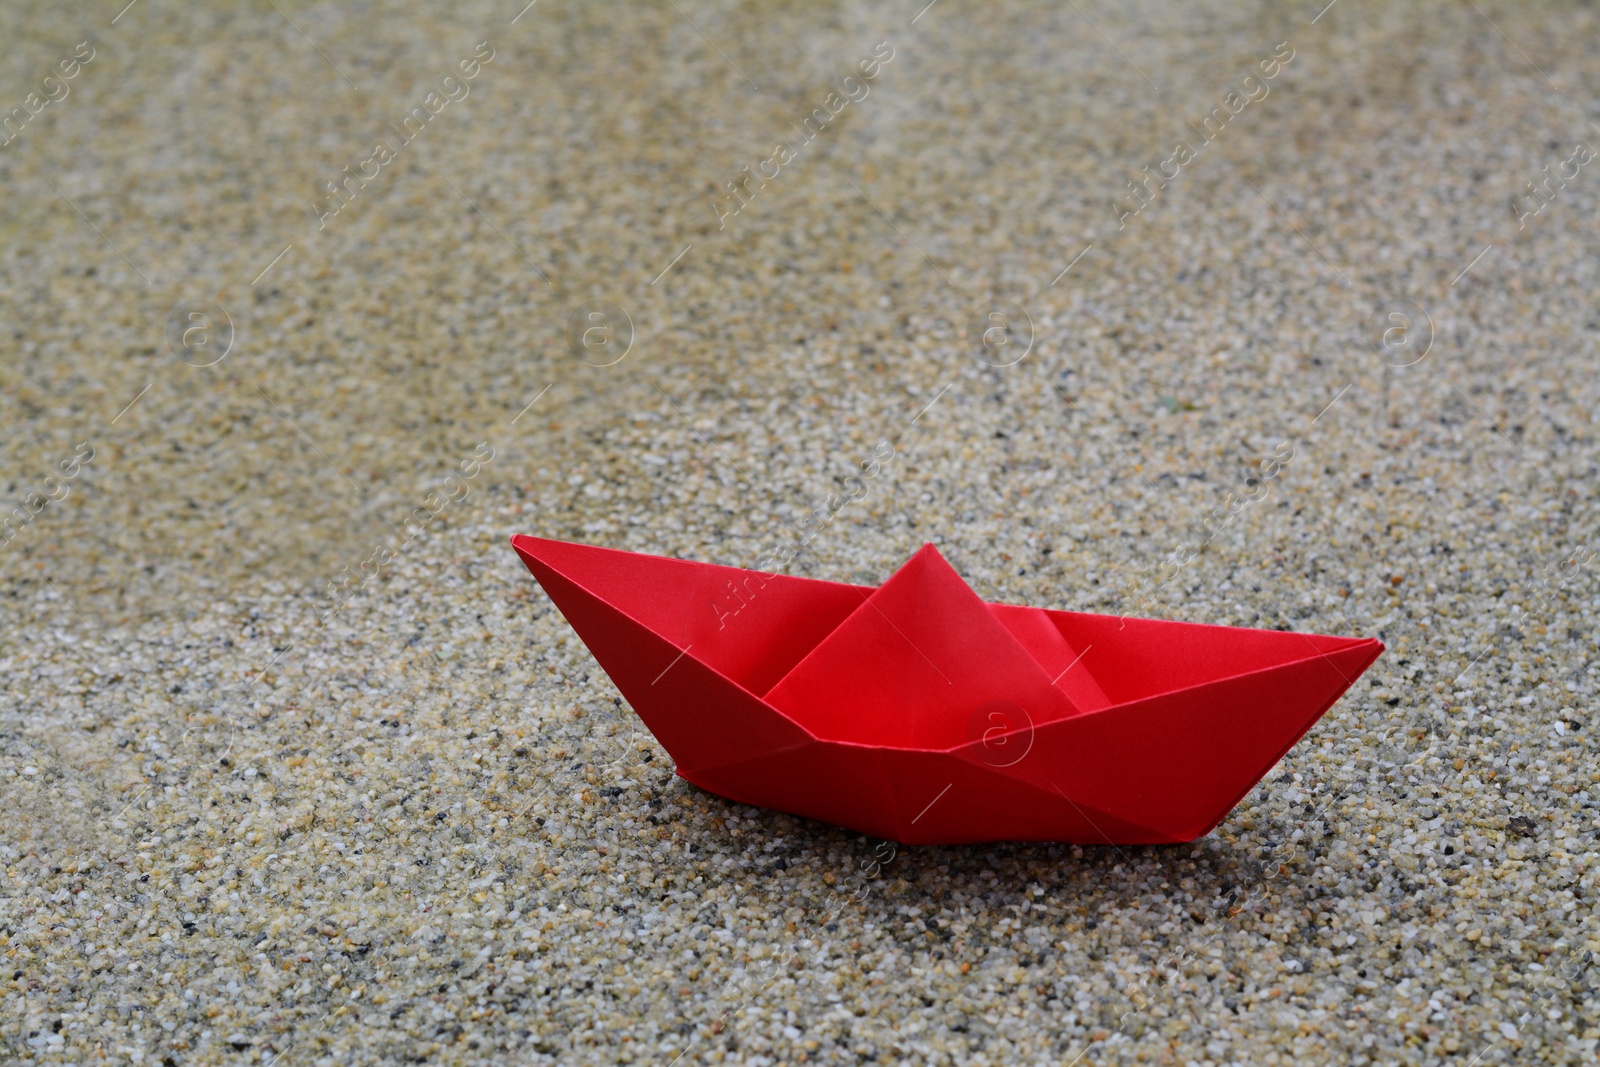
pixel 306 309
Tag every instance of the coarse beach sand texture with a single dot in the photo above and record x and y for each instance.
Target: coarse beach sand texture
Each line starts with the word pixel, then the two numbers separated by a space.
pixel 1267 315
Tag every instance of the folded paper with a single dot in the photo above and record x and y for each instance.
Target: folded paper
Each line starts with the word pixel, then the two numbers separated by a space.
pixel 917 712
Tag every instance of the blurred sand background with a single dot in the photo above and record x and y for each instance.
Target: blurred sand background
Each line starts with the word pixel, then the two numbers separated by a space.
pixel 243 829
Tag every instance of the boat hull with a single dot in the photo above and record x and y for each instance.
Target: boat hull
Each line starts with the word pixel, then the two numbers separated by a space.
pixel 1173 728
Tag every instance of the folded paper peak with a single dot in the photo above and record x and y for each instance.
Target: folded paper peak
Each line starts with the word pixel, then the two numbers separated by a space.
pixel 918 712
pixel 907 667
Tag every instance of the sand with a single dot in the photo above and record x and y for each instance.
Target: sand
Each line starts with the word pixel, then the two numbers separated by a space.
pixel 301 766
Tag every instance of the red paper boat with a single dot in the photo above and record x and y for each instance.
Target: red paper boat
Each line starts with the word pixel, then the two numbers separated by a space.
pixel 919 713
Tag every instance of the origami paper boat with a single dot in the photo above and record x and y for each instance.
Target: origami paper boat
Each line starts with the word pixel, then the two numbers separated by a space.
pixel 917 712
